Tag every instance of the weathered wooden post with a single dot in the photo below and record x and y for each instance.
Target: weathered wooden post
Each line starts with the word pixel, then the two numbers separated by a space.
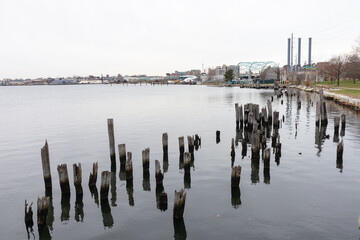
pixel 232 149
pixel 267 158
pixel 146 159
pixel 318 115
pixel 42 211
pixel 269 112
pixel 64 179
pixel 339 151
pixel 77 178
pixel 122 154
pixel 237 115
pixel 278 148
pixel 104 188
pixel 197 141
pixel 324 120
pixel 187 162
pixel 158 175
pixel 217 136
pixel 191 144
pixel 336 125
pixel 129 168
pixel 29 223
pixel 241 117
pixel 276 119
pixel 110 124
pixel 45 159
pixel 93 175
pixel 165 143
pixel 255 145
pixel 179 204
pixel 343 120
pixel 181 144
pixel 235 176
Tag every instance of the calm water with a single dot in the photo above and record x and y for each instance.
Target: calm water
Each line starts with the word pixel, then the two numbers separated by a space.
pixel 304 196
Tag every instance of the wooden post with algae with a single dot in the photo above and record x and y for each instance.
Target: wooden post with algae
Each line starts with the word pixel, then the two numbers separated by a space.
pixel 179 204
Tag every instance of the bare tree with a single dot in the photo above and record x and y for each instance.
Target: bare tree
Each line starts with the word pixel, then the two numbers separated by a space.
pixel 352 66
pixel 337 67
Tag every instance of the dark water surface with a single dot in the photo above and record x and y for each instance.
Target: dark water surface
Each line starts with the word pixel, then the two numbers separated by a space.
pixel 303 196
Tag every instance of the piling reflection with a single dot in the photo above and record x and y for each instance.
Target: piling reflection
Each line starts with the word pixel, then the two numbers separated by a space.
pixel 238 136
pixel 50 216
pixel 235 197
pixel 44 233
pixel 108 220
pixel 79 208
pixel 146 181
pixel 320 136
pixel 179 229
pixel 187 180
pixel 244 148
pixel 255 171
pixel 161 198
pixel 65 207
pixel 130 192
pixel 113 189
pixel 267 174
pixel 94 194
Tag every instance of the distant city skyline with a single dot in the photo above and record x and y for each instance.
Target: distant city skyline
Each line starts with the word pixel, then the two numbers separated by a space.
pixel 88 37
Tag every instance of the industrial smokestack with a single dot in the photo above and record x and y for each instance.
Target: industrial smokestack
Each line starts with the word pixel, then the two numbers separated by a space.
pixel 299 55
pixel 291 49
pixel 309 52
pixel 288 62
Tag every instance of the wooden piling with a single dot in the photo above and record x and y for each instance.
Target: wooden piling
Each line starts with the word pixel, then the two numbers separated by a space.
pixel 191 144
pixel 110 124
pixel 129 167
pixel 235 176
pixel 93 175
pixel 267 158
pixel 45 159
pixel 324 120
pixel 318 115
pixel 146 159
pixel 232 149
pixel 269 111
pixel 42 210
pixel 179 204
pixel 122 153
pixel 276 120
pixel 64 179
pixel 77 178
pixel 181 144
pixel 165 142
pixel 336 124
pixel 237 115
pixel 187 162
pixel 339 151
pixel 158 175
pixel 105 182
pixel 255 145
pixel 241 116
pixel 343 121
pixel 217 136
pixel 29 223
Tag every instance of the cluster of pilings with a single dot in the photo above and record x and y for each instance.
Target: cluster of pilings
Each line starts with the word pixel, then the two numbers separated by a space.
pixel 44 204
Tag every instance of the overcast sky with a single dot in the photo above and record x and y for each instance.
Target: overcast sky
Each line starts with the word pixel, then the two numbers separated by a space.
pixel 48 38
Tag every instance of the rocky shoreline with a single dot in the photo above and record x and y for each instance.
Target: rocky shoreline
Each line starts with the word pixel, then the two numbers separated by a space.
pixel 344 100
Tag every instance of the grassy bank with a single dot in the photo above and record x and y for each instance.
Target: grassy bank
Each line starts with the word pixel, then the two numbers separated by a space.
pixel 346 87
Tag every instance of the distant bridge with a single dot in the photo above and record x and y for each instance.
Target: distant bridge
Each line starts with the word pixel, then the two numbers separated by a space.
pixel 249 68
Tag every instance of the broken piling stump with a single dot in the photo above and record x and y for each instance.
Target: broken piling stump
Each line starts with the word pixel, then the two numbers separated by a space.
pixel 241 117
pixel 110 124
pixel 179 204
pixel 276 120
pixel 158 175
pixel 104 188
pixel 187 162
pixel 42 211
pixel 63 179
pixel 45 159
pixel 77 178
pixel 235 176
pixel 217 136
pixel 165 143
pixel 181 144
pixel 129 168
pixel 336 125
pixel 122 154
pixel 191 142
pixel 93 175
pixel 237 115
pixel 343 120
pixel 146 159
